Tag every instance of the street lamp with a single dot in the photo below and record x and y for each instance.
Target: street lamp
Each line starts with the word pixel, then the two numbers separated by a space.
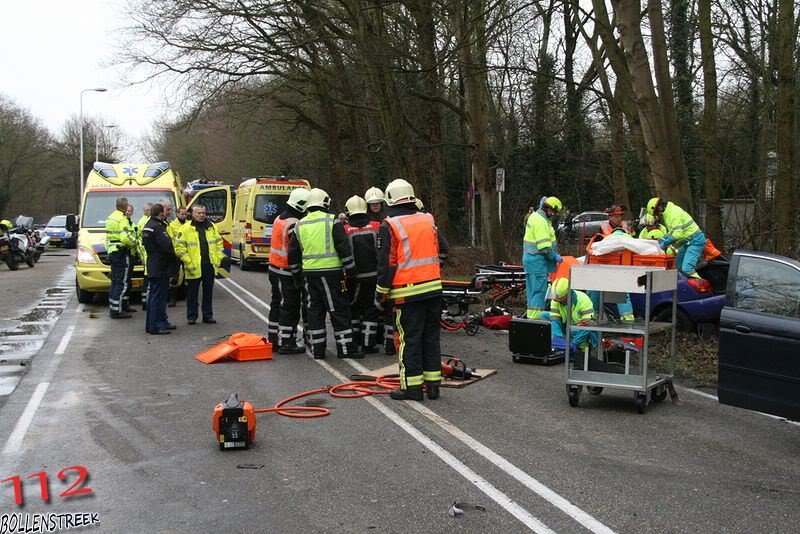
pixel 97 142
pixel 80 119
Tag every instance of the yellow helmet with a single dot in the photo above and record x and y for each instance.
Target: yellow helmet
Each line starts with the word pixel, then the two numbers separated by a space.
pixel 5 223
pixel 399 192
pixel 317 198
pixel 561 287
pixel 373 195
pixel 553 203
pixel 298 199
pixel 651 205
pixel 355 205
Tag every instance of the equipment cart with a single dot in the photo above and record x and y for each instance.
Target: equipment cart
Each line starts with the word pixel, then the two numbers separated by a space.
pixel 613 282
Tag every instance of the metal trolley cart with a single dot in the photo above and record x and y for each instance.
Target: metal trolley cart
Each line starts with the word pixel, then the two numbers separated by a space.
pixel 613 281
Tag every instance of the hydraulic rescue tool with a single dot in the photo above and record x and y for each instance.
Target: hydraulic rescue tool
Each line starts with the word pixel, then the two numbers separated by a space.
pixel 234 423
pixel 456 369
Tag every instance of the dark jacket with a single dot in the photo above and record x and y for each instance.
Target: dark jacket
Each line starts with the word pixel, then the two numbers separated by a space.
pixel 340 243
pixel 161 259
pixel 363 236
pixel 385 271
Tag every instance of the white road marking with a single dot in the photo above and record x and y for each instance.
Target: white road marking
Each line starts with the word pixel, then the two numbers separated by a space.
pixel 531 483
pixel 62 345
pixel 18 434
pixel 251 295
pixel 245 304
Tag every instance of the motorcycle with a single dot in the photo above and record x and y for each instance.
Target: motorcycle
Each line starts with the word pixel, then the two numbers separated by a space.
pixel 42 240
pixel 21 247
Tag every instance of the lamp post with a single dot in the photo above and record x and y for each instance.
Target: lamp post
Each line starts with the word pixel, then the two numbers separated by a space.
pixel 97 142
pixel 80 119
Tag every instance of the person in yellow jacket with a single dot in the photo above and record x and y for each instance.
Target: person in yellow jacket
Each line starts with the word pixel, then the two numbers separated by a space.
pixel 539 255
pixel 682 233
pixel 581 312
pixel 141 252
pixel 173 228
pixel 120 245
pixel 199 247
pixel 652 229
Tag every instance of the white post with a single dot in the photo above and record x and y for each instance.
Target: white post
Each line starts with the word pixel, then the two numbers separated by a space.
pixel 80 120
pixel 500 206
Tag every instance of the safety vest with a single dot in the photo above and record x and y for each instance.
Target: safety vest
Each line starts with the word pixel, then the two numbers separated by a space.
pixel 187 248
pixel 655 233
pixel 582 309
pixel 119 233
pixel 415 255
pixel 539 234
pixel 315 235
pixel 607 229
pixel 679 224
pixel 279 245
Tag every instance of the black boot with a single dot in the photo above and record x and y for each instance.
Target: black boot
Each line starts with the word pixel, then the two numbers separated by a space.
pixel 319 353
pixel 372 349
pixel 411 393
pixel 291 348
pixel 273 339
pixel 433 390
pixel 352 352
pixel 389 349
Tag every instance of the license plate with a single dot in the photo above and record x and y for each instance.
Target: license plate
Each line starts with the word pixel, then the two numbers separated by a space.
pixel 137 283
pixel 55 239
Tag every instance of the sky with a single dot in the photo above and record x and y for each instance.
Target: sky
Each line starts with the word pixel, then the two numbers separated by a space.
pixel 50 50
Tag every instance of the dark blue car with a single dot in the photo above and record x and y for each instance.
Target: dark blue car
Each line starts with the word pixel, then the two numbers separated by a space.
pixel 700 300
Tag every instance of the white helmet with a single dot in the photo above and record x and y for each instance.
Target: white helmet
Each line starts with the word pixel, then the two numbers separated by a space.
pixel 298 199
pixel 355 205
pixel 373 195
pixel 399 192
pixel 420 205
pixel 317 198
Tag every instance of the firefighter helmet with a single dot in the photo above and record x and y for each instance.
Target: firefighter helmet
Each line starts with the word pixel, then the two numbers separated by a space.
pixel 298 199
pixel 399 192
pixel 373 195
pixel 317 198
pixel 5 224
pixel 355 205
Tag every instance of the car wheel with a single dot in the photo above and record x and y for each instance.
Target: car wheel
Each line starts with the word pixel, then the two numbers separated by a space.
pixel 243 263
pixel 84 297
pixel 682 319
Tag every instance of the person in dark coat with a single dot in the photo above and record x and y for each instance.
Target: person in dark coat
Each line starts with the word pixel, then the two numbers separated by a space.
pixel 160 263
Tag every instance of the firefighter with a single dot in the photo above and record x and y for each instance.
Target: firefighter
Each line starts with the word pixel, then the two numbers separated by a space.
pixel 120 244
pixel 614 222
pixel 320 252
pixel 582 312
pixel 287 299
pixel 539 254
pixel 172 231
pixel 682 233
pixel 363 236
pixel 409 280
pixel 375 202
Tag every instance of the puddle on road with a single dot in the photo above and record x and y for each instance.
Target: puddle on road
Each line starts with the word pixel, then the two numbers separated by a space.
pixel 38 315
pixel 27 330
pixel 57 290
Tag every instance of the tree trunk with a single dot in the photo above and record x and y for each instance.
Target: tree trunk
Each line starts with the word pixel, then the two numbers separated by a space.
pixel 667 102
pixel 785 208
pixel 667 183
pixel 713 223
pixel 470 24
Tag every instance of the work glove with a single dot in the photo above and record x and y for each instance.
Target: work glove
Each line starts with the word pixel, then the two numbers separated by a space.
pixel 381 301
pixel 665 242
pixel 558 258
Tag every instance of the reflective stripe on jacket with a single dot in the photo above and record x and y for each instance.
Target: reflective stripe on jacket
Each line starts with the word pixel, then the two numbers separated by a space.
pixel 539 234
pixel 414 254
pixel 119 233
pixel 279 244
pixel 582 309
pixel 187 248
pixel 173 228
pixel 314 233
pixel 679 224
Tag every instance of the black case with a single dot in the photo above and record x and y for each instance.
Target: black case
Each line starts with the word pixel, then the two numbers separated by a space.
pixel 529 341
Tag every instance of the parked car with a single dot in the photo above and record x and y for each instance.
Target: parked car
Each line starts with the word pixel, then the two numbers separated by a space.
pixel 700 300
pixel 60 235
pixel 759 344
pixel 586 224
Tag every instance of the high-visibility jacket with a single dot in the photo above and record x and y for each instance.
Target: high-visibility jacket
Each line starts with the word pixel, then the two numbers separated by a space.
pixel 187 248
pixel 540 238
pixel 607 228
pixel 654 233
pixel 173 228
pixel 120 234
pixel 679 224
pixel 315 235
pixel 279 245
pixel 582 310
pixel 142 221
pixel 413 255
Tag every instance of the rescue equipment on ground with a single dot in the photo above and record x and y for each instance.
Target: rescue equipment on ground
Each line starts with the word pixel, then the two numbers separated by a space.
pixel 530 341
pixel 456 369
pixel 241 347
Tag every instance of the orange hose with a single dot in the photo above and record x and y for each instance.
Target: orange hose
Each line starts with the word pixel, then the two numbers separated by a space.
pixel 347 390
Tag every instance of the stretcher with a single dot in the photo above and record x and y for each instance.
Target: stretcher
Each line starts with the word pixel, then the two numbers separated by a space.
pixel 457 295
pixel 500 282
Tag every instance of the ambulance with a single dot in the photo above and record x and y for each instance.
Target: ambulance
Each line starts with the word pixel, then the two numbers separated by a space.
pixel 258 202
pixel 140 183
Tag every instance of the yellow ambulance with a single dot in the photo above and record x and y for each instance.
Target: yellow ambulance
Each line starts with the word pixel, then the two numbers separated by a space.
pixel 140 183
pixel 258 202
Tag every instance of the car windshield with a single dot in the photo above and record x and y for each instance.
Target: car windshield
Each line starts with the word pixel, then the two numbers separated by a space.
pixel 267 207
pixel 59 221
pixel 100 204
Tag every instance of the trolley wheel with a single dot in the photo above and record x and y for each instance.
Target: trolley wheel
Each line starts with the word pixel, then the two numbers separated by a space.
pixel 594 390
pixel 659 393
pixel 574 395
pixel 641 402
pixel 515 358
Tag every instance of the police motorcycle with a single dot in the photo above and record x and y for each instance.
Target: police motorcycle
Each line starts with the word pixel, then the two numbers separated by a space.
pixel 19 246
pixel 37 238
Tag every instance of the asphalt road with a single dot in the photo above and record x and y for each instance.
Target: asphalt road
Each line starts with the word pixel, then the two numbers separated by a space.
pixel 135 411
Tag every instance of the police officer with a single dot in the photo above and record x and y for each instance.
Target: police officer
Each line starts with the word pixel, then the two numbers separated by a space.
pixel 172 231
pixel 682 233
pixel 287 299
pixel 363 236
pixel 160 261
pixel 539 255
pixel 120 243
pixel 409 279
pixel 320 252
